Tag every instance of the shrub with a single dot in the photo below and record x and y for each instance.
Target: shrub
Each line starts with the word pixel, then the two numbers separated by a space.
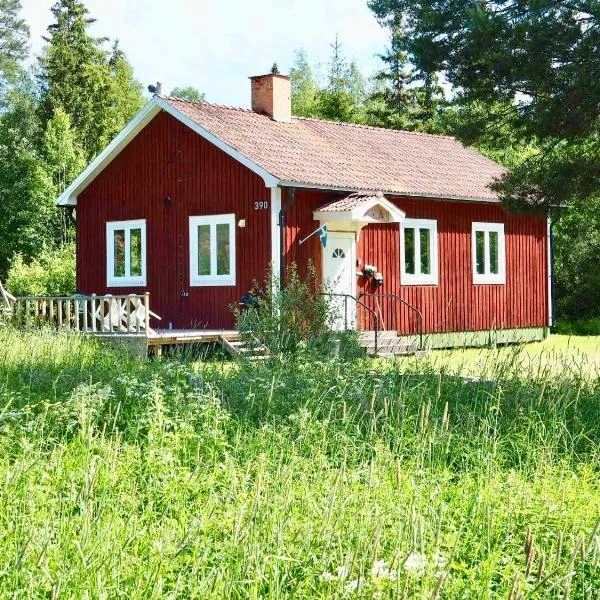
pixel 578 327
pixel 51 273
pixel 297 318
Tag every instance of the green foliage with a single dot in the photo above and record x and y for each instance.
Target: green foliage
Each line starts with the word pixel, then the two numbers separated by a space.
pixel 62 153
pixel 291 320
pixel 577 269
pixel 587 327
pixel 78 76
pixel 340 98
pixel 188 93
pixel 51 273
pixel 402 98
pixel 539 58
pixel 14 39
pixel 294 480
pixel 28 214
pixel 304 86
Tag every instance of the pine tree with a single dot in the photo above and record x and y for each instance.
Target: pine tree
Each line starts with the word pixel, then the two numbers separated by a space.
pixel 75 76
pixel 14 39
pixel 338 101
pixel 126 91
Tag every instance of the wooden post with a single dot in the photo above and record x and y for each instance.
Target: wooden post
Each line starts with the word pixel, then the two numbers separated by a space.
pixel 94 329
pixel 76 303
pixel 147 312
pixel 85 314
pixel 101 315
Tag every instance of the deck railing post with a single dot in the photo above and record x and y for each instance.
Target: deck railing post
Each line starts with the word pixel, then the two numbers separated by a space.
pixel 94 325
pixel 147 312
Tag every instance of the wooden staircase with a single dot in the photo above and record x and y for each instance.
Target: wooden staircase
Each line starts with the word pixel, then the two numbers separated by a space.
pixel 389 344
pixel 249 349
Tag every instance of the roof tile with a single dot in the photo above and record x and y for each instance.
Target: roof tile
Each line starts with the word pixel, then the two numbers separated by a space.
pixel 347 156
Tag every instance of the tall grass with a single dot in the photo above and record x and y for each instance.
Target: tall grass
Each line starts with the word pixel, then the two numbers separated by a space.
pixel 361 479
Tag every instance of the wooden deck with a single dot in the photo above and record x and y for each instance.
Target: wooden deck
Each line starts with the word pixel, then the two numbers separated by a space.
pixel 164 337
pixel 158 338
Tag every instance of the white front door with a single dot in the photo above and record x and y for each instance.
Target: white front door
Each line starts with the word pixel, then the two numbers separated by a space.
pixel 339 272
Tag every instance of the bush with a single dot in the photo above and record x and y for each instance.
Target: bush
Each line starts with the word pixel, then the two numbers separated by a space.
pixel 295 319
pixel 578 327
pixel 52 273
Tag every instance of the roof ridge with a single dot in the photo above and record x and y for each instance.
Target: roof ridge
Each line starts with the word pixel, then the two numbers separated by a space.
pixel 206 102
pixel 314 119
pixel 375 127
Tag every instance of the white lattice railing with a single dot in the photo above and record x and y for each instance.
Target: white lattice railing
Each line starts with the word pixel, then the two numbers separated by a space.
pixel 91 314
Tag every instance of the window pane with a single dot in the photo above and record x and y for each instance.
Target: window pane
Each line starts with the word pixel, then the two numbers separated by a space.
pixel 425 235
pixel 135 253
pixel 480 252
pixel 119 253
pixel 223 249
pixel 409 251
pixel 493 252
pixel 203 249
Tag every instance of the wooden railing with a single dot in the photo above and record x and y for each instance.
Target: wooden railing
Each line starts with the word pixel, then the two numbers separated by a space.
pixel 90 314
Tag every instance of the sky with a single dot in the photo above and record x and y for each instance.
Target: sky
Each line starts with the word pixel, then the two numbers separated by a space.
pixel 215 45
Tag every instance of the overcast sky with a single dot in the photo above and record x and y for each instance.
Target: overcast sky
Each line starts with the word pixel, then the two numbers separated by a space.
pixel 215 45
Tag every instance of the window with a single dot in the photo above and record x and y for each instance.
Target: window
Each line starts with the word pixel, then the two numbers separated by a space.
pixel 126 253
pixel 419 252
pixel 212 250
pixel 488 253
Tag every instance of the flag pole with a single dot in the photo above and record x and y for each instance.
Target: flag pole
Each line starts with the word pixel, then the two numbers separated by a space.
pixel 311 234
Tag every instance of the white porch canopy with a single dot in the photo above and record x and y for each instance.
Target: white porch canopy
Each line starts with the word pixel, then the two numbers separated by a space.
pixel 358 210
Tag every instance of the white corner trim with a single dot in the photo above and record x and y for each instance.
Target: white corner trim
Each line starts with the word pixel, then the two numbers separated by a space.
pixel 487 277
pixel 69 196
pixel 275 234
pixel 127 280
pixel 270 180
pixel 213 279
pixel 420 278
pixel 152 108
pixel 549 267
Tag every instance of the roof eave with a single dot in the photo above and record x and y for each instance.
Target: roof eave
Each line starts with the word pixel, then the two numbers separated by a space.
pixel 333 188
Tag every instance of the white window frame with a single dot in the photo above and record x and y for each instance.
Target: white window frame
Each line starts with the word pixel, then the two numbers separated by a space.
pixel 212 279
pixel 419 278
pixel 126 280
pixel 487 277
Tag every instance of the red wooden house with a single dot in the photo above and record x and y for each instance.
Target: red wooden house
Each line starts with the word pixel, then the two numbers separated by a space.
pixel 193 201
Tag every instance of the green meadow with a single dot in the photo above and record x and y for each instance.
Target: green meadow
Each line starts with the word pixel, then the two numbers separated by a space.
pixel 472 474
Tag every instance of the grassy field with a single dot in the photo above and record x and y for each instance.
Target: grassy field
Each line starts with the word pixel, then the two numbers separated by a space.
pixel 559 355
pixel 181 479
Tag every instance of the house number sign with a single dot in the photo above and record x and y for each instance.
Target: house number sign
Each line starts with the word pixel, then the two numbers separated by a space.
pixel 262 205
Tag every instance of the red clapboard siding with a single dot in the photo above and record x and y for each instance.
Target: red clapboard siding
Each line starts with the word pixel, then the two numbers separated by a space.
pixel 169 159
pixel 455 304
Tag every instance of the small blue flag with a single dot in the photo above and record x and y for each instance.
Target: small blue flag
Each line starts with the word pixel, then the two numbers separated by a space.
pixel 323 235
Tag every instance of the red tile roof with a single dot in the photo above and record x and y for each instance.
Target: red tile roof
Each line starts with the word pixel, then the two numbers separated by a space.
pixel 346 156
pixel 348 203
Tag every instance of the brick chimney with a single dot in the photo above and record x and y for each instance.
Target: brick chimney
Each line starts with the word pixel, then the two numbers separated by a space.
pixel 272 96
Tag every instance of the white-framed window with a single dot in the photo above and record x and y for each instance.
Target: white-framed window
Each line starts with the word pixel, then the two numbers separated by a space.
pixel 488 250
pixel 126 253
pixel 419 252
pixel 212 250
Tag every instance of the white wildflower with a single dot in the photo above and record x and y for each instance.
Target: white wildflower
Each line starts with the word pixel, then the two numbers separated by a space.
pixel 416 562
pixel 342 572
pixel 439 560
pixel 352 586
pixel 380 570
pixel 327 576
